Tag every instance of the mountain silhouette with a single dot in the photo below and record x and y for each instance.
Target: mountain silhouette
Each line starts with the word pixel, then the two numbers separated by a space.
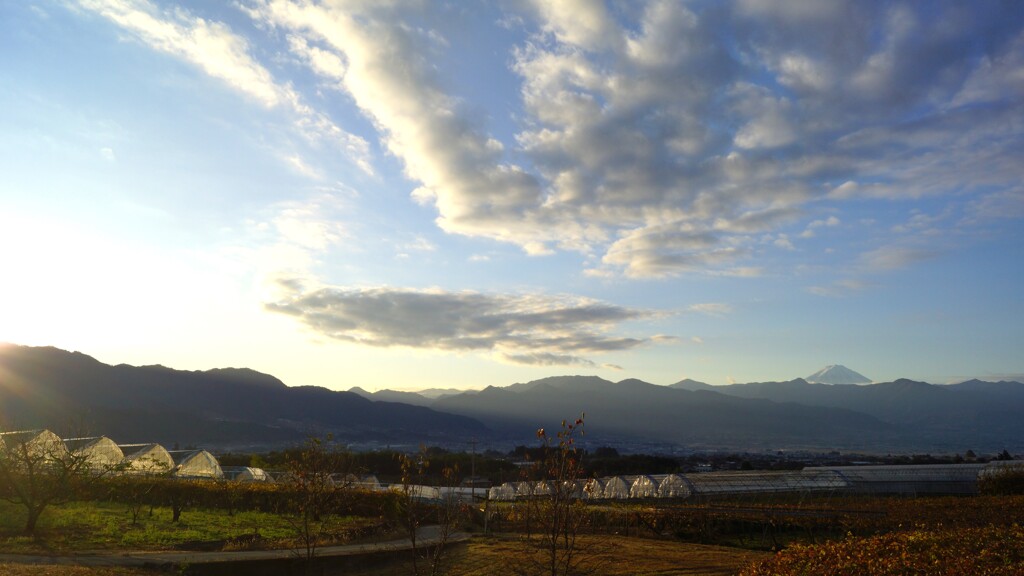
pixel 76 395
pixel 71 392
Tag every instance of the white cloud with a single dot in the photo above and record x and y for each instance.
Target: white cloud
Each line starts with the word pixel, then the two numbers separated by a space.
pixel 580 22
pixel 895 257
pixel 711 308
pixel 769 125
pixel 299 165
pixel 524 329
pixel 661 149
pixel 460 168
pixel 998 76
pixel 225 55
pixel 291 238
pixel 209 45
pixel 418 244
pixel 829 222
pixel 783 241
pixel 1001 205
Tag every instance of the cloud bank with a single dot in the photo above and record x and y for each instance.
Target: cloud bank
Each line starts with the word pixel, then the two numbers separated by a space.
pixel 655 139
pixel 665 140
pixel 521 329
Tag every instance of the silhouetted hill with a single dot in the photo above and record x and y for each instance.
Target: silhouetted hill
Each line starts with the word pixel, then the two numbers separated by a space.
pixel 411 398
pixel 973 413
pixel 435 393
pixel 48 387
pixel 689 384
pixel 73 393
pixel 638 410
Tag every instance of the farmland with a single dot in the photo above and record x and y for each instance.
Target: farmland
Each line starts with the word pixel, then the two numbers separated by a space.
pixel 710 538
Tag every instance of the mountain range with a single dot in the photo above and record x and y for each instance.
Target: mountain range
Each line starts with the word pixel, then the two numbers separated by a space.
pixel 231 408
pixel 73 393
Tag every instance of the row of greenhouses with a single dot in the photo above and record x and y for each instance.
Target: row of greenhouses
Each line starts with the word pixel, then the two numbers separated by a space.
pixel 102 454
pixel 911 480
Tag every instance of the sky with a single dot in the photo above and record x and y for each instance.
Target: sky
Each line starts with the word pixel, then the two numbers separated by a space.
pixel 411 194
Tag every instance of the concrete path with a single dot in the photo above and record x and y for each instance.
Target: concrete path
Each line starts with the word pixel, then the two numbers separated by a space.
pixel 426 537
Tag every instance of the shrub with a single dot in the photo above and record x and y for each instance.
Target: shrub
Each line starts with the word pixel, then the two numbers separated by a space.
pixel 993 551
pixel 1006 482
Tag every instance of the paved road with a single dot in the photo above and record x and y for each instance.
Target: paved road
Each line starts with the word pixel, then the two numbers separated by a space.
pixel 425 536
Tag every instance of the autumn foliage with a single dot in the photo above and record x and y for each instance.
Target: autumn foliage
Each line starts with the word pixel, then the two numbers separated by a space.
pixel 990 551
pixel 951 536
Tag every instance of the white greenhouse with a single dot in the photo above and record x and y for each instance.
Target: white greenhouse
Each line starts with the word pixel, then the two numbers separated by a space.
pixel 423 493
pixel 358 481
pixel 594 489
pixel 101 453
pixel 146 459
pixel 765 482
pixel 577 489
pixel 882 479
pixel 245 474
pixel 525 489
pixel 34 445
pixel 643 487
pixel 542 488
pixel 195 464
pixel 502 493
pixel 616 488
pixel 909 479
pixel 673 486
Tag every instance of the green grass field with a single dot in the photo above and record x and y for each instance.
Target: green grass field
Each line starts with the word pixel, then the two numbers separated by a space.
pixel 98 526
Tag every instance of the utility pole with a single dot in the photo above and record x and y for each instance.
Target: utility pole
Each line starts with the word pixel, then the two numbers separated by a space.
pixel 472 470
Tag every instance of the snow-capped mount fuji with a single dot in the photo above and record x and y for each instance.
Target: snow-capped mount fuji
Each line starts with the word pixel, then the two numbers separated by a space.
pixel 837 374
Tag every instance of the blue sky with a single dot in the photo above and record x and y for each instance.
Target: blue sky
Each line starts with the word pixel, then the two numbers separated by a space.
pixel 411 194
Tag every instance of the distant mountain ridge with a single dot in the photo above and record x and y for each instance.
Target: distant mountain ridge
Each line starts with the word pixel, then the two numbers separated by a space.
pixel 930 416
pixel 689 384
pixel 903 415
pixel 48 387
pixel 238 407
pixel 640 411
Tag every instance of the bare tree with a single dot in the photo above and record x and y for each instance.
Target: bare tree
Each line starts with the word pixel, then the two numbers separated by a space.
pixel 37 470
pixel 555 511
pixel 316 494
pixel 423 505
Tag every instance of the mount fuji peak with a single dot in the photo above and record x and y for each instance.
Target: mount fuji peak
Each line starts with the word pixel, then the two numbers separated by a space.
pixel 836 374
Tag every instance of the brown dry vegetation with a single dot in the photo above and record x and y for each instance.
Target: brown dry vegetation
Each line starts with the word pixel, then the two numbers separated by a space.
pixel 604 555
pixel 614 556
pixel 502 555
